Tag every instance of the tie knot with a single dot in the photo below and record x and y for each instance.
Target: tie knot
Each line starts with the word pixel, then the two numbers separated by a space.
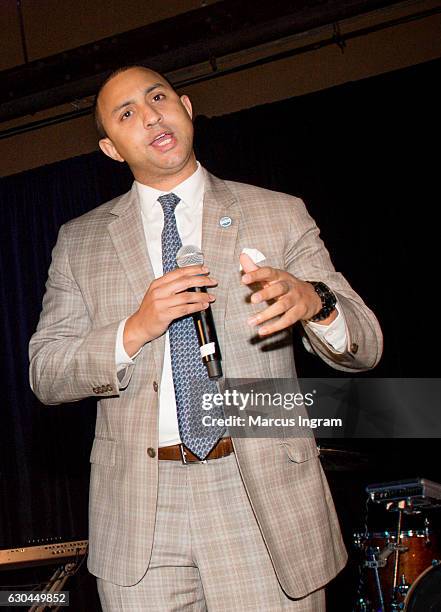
pixel 169 202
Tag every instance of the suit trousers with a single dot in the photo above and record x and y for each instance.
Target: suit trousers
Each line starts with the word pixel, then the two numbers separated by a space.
pixel 208 552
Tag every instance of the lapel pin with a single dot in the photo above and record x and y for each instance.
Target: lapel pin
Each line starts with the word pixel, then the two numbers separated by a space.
pixel 225 222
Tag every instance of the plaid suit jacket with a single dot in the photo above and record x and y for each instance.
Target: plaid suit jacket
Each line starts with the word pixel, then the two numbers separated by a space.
pixel 99 273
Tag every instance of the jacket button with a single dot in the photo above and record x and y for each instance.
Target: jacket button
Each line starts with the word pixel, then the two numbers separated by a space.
pixel 151 452
pixel 109 388
pixel 155 387
pixel 354 347
pixel 95 390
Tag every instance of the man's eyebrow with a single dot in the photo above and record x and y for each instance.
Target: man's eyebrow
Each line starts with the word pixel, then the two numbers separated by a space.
pixel 128 102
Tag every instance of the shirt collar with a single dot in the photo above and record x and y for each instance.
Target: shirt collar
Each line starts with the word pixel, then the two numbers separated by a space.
pixel 190 191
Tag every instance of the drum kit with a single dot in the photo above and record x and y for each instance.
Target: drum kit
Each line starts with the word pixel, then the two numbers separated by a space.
pixel 401 569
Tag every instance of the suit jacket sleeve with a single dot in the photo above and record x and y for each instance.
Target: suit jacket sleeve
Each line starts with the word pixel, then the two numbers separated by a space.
pixel 307 258
pixel 70 359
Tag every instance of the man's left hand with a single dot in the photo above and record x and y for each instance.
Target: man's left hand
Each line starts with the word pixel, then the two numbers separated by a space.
pixel 291 299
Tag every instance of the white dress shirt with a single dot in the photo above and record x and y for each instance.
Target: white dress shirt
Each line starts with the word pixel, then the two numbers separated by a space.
pixel 189 222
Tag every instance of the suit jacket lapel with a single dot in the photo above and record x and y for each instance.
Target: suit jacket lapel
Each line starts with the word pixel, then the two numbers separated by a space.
pixel 218 243
pixel 127 234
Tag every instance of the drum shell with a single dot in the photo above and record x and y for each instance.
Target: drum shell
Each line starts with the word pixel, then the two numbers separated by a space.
pixel 422 550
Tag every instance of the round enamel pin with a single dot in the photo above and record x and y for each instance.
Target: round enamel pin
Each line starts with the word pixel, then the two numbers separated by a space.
pixel 225 222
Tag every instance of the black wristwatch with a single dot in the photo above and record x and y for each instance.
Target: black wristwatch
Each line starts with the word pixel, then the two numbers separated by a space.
pixel 328 301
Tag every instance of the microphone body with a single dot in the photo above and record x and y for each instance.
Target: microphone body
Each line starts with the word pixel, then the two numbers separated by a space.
pixel 203 320
pixel 208 342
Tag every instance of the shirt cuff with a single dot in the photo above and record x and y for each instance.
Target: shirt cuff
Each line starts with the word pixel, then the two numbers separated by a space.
pixel 334 334
pixel 122 360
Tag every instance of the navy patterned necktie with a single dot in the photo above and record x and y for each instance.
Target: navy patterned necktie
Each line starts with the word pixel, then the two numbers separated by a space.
pixel 190 377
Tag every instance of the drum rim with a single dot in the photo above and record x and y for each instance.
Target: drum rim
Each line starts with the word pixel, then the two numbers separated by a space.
pixel 419 533
pixel 436 566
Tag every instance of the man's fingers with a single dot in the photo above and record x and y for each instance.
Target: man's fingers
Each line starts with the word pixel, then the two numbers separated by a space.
pixel 187 297
pixel 181 283
pixel 187 309
pixel 287 320
pixel 247 263
pixel 180 272
pixel 265 274
pixel 187 270
pixel 272 311
pixel 270 292
pixel 180 304
pixel 187 282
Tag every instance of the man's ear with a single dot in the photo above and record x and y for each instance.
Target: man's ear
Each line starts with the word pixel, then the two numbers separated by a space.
pixel 108 148
pixel 187 105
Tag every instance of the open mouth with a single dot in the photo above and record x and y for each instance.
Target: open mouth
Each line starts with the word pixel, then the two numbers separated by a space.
pixel 162 140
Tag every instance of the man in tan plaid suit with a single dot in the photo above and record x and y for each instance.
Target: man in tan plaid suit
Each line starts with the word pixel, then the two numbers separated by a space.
pixel 253 527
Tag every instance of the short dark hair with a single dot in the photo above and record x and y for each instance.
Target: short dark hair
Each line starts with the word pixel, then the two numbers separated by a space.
pixel 96 113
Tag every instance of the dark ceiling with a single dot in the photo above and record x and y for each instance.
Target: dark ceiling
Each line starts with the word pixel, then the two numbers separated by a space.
pixel 198 36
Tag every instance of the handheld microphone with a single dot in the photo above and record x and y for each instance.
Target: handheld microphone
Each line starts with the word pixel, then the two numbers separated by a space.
pixel 190 255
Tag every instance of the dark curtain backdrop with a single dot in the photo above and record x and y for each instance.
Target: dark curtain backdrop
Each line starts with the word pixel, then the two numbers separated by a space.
pixel 365 158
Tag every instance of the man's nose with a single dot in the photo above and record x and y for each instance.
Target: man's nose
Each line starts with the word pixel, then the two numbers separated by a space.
pixel 151 116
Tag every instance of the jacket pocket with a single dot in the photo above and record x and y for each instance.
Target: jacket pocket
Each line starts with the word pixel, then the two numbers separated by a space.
pixel 103 451
pixel 300 449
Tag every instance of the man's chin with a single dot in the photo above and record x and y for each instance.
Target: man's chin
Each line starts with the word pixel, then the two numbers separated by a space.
pixel 168 167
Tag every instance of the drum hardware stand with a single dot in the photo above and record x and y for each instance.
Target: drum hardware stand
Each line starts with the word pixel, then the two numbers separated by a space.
pixel 400 506
pixel 55 584
pixel 426 530
pixel 401 589
pixel 374 564
pixel 67 556
pixel 379 560
pixel 397 554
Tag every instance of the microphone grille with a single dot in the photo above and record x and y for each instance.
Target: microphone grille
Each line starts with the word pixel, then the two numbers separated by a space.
pixel 189 255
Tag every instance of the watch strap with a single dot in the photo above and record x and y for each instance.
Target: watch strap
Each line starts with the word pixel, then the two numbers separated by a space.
pixel 328 299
